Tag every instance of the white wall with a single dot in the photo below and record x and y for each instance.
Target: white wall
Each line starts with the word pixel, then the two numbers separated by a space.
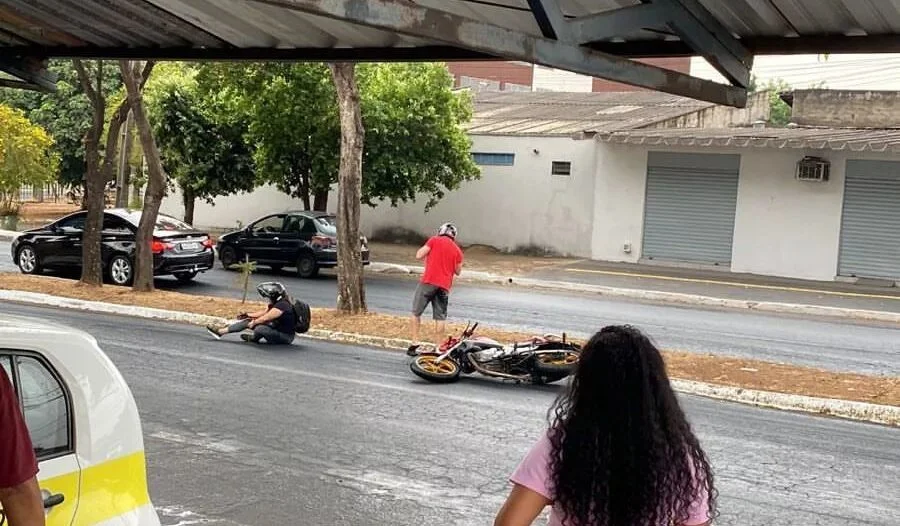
pixel 621 178
pixel 550 79
pixel 785 227
pixel 228 210
pixel 512 206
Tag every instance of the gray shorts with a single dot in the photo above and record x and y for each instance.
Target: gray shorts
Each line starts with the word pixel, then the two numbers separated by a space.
pixel 436 296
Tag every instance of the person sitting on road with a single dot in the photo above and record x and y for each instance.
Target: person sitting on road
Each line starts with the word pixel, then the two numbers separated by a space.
pixel 443 261
pixel 619 450
pixel 275 324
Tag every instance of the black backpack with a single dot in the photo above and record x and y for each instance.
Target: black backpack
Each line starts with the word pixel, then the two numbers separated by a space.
pixel 302 316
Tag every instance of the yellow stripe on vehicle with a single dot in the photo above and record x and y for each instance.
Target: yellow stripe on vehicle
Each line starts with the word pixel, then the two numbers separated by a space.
pixel 111 489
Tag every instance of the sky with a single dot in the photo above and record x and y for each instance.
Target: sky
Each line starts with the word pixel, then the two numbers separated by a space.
pixel 861 72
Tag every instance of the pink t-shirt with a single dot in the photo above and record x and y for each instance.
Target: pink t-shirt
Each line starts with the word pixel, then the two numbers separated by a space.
pixel 535 474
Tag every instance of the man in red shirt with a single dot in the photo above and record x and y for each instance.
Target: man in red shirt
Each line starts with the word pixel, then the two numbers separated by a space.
pixel 443 261
pixel 20 495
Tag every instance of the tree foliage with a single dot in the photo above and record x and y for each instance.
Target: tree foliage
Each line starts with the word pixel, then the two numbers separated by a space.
pixel 415 143
pixel 66 114
pixel 292 122
pixel 202 143
pixel 779 111
pixel 26 156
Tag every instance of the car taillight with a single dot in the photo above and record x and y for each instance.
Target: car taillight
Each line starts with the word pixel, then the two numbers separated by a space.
pixel 158 247
pixel 208 243
pixel 321 241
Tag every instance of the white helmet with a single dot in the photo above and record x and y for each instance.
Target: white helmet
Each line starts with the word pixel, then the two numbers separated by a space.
pixel 447 229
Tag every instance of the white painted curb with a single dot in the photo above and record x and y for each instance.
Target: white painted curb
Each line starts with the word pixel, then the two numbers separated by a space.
pixel 8 235
pixel 654 296
pixel 881 414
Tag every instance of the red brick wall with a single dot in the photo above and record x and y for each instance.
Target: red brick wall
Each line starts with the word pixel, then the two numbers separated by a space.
pixel 515 73
pixel 499 71
pixel 680 64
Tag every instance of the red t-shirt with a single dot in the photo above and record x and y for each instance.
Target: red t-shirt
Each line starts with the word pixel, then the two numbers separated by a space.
pixel 440 264
pixel 17 461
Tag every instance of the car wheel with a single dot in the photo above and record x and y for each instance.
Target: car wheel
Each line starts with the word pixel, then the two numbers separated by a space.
pixel 185 277
pixel 307 266
pixel 28 261
pixel 228 257
pixel 120 270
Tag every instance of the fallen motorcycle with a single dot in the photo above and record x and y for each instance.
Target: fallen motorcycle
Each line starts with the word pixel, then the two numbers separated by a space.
pixel 541 360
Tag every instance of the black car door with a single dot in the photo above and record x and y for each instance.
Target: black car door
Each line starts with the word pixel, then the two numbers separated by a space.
pixel 117 236
pixel 62 246
pixel 263 238
pixel 296 234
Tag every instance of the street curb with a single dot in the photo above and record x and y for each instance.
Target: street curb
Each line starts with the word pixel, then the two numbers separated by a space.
pixel 676 298
pixel 8 235
pixel 861 411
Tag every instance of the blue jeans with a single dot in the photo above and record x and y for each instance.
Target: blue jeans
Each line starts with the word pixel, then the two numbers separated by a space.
pixel 262 333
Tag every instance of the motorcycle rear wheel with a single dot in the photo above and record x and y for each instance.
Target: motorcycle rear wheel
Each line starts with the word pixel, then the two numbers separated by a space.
pixel 557 365
pixel 444 372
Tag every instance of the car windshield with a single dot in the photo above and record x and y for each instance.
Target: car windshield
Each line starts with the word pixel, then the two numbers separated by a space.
pixel 327 225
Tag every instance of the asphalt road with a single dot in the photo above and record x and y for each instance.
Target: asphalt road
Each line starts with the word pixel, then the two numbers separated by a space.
pixel 329 434
pixel 824 343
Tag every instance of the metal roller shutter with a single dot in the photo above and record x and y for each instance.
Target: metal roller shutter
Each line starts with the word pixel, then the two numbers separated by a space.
pixel 690 207
pixel 870 227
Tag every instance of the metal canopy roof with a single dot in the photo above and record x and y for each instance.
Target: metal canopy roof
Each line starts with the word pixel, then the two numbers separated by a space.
pixel 593 37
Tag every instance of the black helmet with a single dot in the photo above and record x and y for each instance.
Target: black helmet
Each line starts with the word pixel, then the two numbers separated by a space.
pixel 272 291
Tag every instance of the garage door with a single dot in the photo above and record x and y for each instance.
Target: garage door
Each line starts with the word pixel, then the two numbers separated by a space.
pixel 690 204
pixel 870 228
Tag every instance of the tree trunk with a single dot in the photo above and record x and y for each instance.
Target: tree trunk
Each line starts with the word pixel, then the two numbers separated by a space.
pixel 304 191
pixel 321 201
pixel 91 263
pixel 351 290
pixel 156 181
pixel 187 196
pixel 94 183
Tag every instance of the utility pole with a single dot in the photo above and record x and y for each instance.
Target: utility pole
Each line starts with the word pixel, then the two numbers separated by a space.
pixel 122 182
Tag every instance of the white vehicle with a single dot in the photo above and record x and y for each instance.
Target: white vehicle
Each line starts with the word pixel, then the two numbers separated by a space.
pixel 83 422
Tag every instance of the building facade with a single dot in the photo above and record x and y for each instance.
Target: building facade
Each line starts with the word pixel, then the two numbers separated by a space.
pixel 801 202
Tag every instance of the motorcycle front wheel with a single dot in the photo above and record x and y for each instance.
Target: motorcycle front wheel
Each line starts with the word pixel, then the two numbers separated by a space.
pixel 426 366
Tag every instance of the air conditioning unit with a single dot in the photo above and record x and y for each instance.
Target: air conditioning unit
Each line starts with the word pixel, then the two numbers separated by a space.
pixel 813 169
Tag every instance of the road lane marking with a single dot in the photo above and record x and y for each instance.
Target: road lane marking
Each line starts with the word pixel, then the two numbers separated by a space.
pixel 736 284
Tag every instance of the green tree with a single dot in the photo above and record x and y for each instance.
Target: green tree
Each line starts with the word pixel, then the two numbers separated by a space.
pixel 415 143
pixel 202 145
pixel 26 156
pixel 292 122
pixel 779 111
pixel 66 114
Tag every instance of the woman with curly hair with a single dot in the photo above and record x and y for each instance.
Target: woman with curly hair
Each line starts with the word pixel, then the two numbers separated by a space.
pixel 619 450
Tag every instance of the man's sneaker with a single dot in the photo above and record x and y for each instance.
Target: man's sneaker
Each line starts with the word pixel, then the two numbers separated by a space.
pixel 213 332
pixel 248 338
pixel 412 350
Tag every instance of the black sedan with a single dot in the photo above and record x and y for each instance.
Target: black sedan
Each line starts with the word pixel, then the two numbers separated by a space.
pixel 178 249
pixel 304 240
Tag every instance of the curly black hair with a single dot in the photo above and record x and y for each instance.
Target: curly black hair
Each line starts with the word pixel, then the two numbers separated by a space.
pixel 623 453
